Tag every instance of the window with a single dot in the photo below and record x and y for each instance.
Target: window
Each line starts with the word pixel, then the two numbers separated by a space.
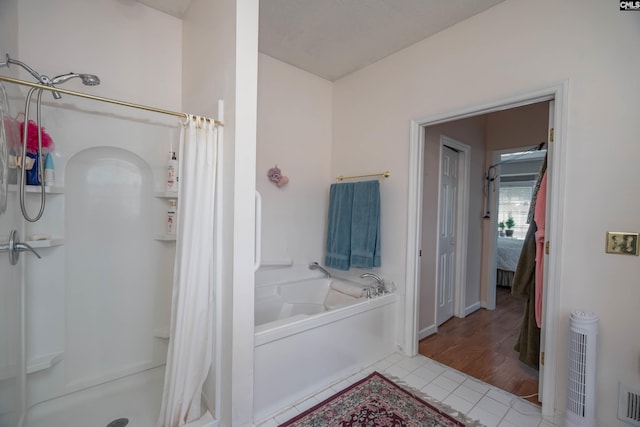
pixel 514 200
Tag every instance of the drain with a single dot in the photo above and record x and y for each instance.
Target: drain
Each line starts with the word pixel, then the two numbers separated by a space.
pixel 120 422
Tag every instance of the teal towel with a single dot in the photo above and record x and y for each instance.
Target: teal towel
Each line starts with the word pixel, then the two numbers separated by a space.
pixel 365 225
pixel 338 247
pixel 353 228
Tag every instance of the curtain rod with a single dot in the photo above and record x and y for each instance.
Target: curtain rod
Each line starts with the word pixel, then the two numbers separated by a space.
pixel 385 174
pixel 100 98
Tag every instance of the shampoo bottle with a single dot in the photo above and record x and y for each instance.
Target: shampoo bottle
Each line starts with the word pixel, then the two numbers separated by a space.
pixel 172 173
pixel 171 217
pixel 49 172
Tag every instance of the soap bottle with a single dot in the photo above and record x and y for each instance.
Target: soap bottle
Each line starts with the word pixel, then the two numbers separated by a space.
pixel 171 217
pixel 172 173
pixel 49 172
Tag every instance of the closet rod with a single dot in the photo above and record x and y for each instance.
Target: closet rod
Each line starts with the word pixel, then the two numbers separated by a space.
pixel 385 174
pixel 100 98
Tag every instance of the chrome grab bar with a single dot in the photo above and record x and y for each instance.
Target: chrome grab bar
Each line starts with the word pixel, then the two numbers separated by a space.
pixel 14 247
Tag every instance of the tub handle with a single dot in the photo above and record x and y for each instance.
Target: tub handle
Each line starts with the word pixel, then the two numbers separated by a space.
pixel 258 249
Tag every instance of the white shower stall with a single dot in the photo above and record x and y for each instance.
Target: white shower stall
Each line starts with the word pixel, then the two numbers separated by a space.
pixel 85 327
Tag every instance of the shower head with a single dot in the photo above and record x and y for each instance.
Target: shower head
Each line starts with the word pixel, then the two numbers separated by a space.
pixel 87 79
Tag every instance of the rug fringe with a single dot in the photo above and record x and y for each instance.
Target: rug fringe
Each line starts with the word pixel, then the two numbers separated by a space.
pixel 441 406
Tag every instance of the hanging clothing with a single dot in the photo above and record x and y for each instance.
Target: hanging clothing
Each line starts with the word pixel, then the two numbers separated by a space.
pixel 192 306
pixel 536 188
pixel 539 219
pixel 353 226
pixel 528 344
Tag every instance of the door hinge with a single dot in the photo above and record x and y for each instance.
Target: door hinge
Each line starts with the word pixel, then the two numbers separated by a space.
pixel 551 131
pixel 542 358
pixel 420 252
pixel 546 248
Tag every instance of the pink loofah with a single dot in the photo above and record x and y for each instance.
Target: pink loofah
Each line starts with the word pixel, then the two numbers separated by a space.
pixel 32 135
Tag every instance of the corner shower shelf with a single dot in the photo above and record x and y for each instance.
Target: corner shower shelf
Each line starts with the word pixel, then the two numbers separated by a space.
pixel 44 362
pixel 166 195
pixel 36 189
pixel 56 241
pixel 161 333
pixel 165 237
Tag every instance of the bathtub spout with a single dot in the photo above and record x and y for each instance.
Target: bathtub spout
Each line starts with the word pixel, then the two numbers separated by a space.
pixel 315 266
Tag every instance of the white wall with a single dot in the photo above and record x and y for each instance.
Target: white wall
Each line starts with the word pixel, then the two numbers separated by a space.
pixel 514 48
pixel 294 133
pixel 134 49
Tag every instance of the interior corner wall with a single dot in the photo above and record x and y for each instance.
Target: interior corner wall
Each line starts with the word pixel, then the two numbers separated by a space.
pixel 221 50
pixel 294 134
pixel 220 57
pixel 204 56
pixel 521 127
pixel 514 48
pixel 9 28
pixel 472 133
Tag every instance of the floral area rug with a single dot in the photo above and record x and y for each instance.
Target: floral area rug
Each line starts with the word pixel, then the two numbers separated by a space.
pixel 376 401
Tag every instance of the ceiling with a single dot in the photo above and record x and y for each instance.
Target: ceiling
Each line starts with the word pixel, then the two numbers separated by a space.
pixel 332 38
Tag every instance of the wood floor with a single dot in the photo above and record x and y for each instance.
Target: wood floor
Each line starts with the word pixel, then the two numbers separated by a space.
pixel 481 345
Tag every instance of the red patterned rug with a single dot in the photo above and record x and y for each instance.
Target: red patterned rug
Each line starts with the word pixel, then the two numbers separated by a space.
pixel 376 401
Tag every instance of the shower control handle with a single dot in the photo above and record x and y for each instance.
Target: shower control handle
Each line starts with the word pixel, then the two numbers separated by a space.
pixel 14 247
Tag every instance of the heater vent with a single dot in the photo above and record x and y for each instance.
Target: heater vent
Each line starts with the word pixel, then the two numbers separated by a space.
pixel 629 405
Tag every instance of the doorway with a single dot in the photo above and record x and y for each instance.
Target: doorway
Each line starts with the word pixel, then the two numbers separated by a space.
pixel 419 171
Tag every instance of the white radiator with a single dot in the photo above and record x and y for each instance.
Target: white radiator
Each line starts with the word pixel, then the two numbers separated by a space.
pixel 581 393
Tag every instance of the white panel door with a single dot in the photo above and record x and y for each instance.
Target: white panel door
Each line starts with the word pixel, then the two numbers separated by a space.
pixel 447 234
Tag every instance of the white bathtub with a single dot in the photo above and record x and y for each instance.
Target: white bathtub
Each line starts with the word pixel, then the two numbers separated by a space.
pixel 301 347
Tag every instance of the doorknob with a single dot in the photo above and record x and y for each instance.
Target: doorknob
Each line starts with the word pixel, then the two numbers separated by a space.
pixel 14 247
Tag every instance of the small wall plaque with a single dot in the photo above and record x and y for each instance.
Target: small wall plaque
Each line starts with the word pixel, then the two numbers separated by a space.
pixel 622 243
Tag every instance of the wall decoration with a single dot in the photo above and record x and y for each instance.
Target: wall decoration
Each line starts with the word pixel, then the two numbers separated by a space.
pixel 275 176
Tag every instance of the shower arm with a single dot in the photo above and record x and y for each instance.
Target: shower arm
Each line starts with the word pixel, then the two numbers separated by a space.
pixel 41 78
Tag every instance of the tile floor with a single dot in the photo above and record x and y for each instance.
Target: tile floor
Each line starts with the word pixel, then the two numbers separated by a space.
pixel 477 400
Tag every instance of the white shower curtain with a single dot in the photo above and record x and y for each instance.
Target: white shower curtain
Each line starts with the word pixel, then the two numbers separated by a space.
pixel 192 314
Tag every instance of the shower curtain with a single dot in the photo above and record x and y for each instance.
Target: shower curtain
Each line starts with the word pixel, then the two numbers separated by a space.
pixel 192 313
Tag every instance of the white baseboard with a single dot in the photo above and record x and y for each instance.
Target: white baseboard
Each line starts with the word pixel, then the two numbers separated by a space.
pixel 472 308
pixel 429 330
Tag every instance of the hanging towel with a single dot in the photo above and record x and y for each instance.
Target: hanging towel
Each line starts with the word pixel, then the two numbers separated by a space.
pixel 365 225
pixel 353 226
pixel 536 188
pixel 338 247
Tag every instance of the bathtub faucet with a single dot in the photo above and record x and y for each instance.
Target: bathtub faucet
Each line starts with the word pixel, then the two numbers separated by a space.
pixel 315 266
pixel 379 288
